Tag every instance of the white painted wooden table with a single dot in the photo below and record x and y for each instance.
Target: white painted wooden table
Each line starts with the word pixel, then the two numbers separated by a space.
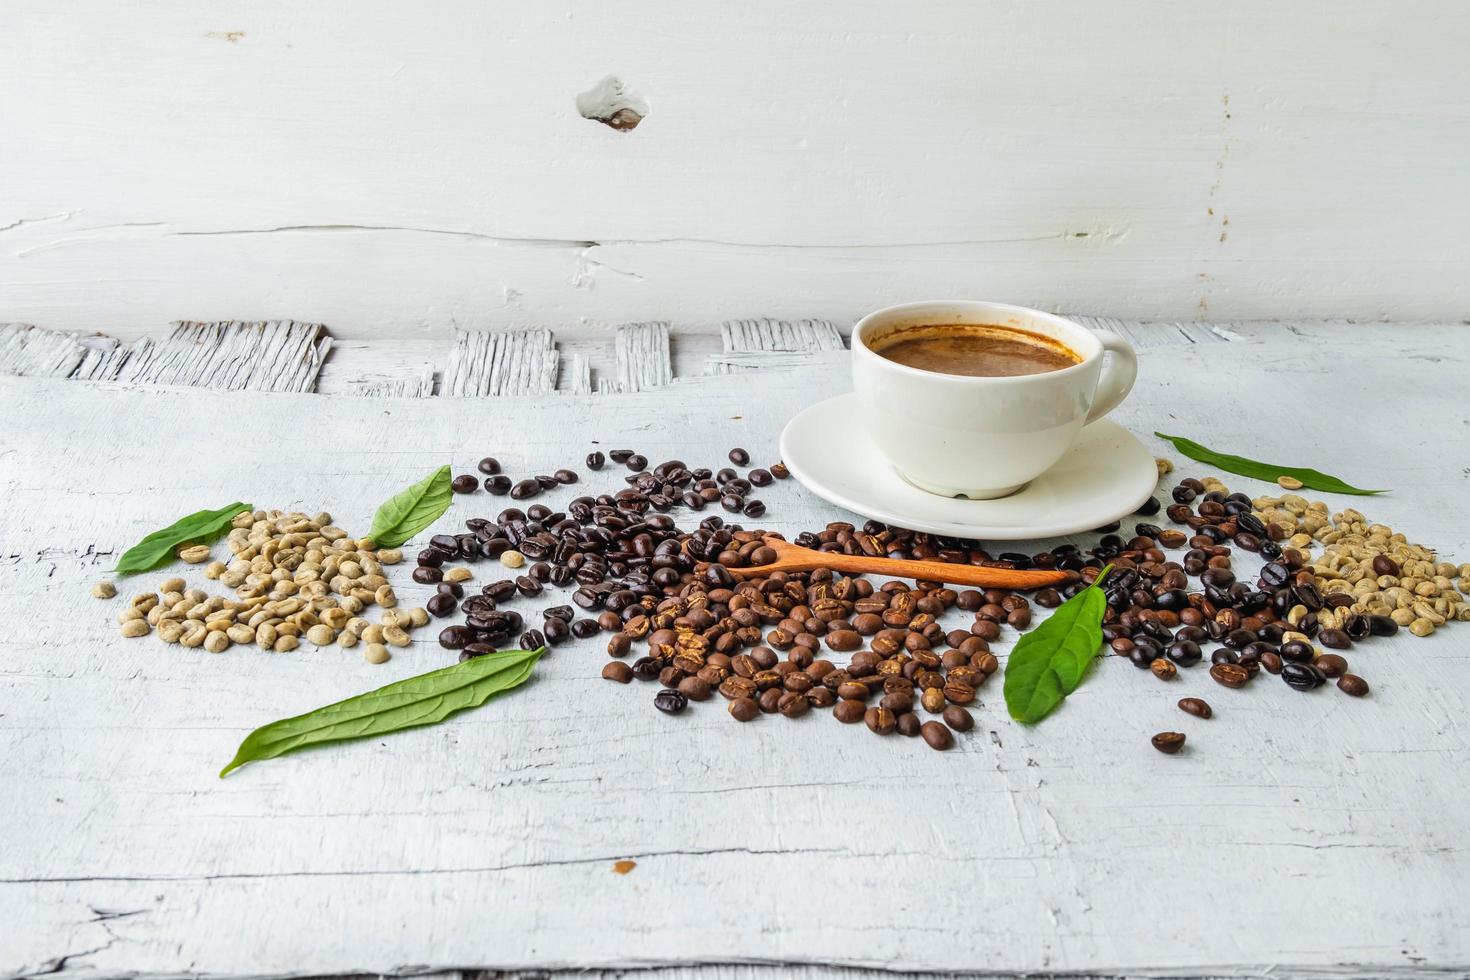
pixel 1298 834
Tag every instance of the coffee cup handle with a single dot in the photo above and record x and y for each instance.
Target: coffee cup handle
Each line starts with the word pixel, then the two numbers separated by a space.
pixel 1118 375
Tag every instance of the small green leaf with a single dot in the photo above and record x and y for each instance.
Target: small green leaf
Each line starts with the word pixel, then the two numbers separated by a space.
pixel 1049 662
pixel 158 548
pixel 426 699
pixel 1311 479
pixel 412 509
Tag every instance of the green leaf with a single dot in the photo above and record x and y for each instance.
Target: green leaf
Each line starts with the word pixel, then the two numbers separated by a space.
pixel 410 703
pixel 409 511
pixel 1049 662
pixel 158 548
pixel 1311 479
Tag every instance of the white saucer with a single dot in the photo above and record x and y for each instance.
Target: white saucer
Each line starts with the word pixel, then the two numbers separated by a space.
pixel 1105 476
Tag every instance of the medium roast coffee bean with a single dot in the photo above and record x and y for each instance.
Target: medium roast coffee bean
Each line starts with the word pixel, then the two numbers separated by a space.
pixel 958 718
pixel 616 670
pixel 849 712
pixel 1230 675
pixel 744 709
pixel 1353 685
pixel 1331 665
pixel 936 735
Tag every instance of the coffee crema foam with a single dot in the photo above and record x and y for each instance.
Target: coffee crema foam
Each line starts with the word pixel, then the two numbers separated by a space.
pixel 975 350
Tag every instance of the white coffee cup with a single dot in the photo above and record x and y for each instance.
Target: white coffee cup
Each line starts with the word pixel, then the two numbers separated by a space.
pixel 983 437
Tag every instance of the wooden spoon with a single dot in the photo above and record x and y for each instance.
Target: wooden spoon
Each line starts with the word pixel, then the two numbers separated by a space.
pixel 794 558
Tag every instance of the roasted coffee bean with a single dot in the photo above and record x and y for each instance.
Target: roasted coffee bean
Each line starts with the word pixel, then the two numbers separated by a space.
pixel 670 702
pixel 618 645
pixel 636 463
pixel 933 700
pixel 1331 665
pixel 1297 651
pixel 1271 662
pixel 743 709
pixel 565 477
pixel 1384 565
pixel 1335 639
pixel 1230 675
pixel 498 485
pixel 754 508
pixel 489 466
pixel 596 460
pixel 880 721
pixel 844 641
pixel 1196 707
pixel 779 471
pixel 584 628
pixel 1163 669
pixel 849 712
pixel 957 692
pixel 1382 625
pixel 694 688
pixel 898 702
pixel 936 735
pixel 759 478
pixel 441 605
pixel 525 489
pixel 1185 653
pixel 465 483
pixel 427 574
pixel 1302 676
pixel 739 457
pixel 616 670
pixel 455 637
pixel 958 718
pixel 533 640
pixel 735 687
pixel 1353 685
pixel 908 724
pixel 793 705
pixel 1168 743
pixel 647 668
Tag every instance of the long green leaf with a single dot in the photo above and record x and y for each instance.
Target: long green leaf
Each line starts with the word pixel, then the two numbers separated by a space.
pixel 1049 662
pixel 1310 479
pixel 412 509
pixel 158 548
pixel 426 699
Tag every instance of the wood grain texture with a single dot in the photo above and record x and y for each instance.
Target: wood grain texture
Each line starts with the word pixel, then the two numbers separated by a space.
pixel 1298 835
pixel 392 172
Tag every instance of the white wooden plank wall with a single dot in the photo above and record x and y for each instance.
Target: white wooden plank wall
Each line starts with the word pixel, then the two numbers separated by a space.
pixel 404 170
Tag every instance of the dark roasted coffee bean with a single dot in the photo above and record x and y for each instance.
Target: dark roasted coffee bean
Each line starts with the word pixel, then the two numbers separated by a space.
pixel 779 471
pixel 1335 639
pixel 959 718
pixel 465 483
pixel 455 637
pixel 1384 565
pixel 498 485
pixel 585 628
pixel 636 463
pixel 754 508
pixel 645 668
pixel 427 574
pixel 1185 653
pixel 1196 707
pixel 1230 675
pixel 670 702
pixel 1382 625
pixel 557 631
pixel 1331 665
pixel 596 460
pixel 1352 684
pixel 533 640
pixel 1271 662
pixel 759 478
pixel 1297 651
pixel 936 735
pixel 739 457
pixel 565 477
pixel 1302 676
pixel 1168 743
pixel 525 489
pixel 441 605
pixel 616 670
pixel 489 466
